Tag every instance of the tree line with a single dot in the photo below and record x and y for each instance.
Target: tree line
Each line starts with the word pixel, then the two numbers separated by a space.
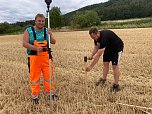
pixel 117 9
pixel 57 20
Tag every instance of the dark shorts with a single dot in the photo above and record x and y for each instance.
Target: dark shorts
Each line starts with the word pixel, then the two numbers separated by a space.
pixel 113 57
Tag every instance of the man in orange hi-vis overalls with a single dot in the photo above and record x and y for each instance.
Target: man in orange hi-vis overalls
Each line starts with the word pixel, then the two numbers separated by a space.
pixel 35 39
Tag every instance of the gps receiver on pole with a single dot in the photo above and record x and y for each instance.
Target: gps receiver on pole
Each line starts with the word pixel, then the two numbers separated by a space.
pixel 48 2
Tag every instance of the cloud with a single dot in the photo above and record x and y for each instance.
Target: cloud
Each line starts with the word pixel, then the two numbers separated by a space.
pixel 22 10
pixel 71 5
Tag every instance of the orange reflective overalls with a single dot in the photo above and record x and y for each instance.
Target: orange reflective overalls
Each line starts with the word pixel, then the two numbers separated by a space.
pixel 39 63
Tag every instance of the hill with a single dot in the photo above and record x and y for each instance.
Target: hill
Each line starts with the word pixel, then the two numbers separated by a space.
pixel 118 9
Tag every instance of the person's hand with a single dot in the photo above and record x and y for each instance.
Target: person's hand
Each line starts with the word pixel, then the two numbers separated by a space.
pixel 88 68
pixel 39 49
pixel 50 31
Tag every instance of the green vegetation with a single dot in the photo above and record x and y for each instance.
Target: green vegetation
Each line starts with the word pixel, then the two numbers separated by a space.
pixel 57 20
pixel 135 23
pixel 117 9
pixel 85 19
pixel 6 28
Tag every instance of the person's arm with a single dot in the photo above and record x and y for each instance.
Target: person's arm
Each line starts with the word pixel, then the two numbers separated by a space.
pixel 29 46
pixel 95 49
pixel 52 40
pixel 95 60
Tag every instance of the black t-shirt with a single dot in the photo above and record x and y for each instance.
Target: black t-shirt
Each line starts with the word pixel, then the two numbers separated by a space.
pixel 110 41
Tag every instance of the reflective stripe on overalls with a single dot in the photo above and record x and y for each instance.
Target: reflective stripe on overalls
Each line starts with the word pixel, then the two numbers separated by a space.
pixel 39 62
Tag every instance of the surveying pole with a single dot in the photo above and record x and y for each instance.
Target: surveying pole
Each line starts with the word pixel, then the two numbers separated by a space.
pixel 48 2
pixel 85 80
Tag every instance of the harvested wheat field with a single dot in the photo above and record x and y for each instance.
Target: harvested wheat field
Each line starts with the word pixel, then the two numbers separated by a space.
pixel 77 91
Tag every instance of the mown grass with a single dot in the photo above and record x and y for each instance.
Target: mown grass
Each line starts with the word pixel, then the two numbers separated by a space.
pixel 77 90
pixel 122 24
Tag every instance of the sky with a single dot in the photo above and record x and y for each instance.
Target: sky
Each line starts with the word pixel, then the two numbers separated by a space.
pixel 21 10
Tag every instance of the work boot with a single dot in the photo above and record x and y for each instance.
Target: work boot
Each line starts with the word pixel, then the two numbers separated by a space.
pixel 115 88
pixel 54 97
pixel 36 101
pixel 100 81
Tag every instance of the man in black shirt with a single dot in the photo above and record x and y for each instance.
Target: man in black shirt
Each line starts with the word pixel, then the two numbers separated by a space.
pixel 111 46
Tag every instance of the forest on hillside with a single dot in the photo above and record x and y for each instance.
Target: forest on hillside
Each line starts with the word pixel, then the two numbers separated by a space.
pixel 118 9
